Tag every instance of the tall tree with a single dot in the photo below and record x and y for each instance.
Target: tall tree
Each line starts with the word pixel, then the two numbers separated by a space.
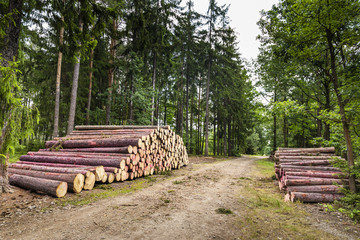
pixel 58 76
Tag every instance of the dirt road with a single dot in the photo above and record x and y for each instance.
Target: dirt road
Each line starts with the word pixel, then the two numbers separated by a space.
pixel 183 206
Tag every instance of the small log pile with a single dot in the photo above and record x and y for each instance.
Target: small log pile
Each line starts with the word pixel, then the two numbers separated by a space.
pixel 102 154
pixel 306 174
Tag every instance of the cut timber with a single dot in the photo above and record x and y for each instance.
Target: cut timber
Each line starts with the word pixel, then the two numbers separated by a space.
pixel 99 170
pixel 314 189
pixel 316 174
pixel 51 187
pixel 307 150
pixel 307 163
pixel 88 173
pixel 312 181
pixel 73 160
pixel 95 150
pixel 107 142
pixel 75 181
pixel 314 197
pixel 114 127
pixel 310 168
pixel 110 177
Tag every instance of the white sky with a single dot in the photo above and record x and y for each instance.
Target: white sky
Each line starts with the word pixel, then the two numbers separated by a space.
pixel 243 16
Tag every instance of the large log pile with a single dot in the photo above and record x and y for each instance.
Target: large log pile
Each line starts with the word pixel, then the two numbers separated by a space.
pixel 102 154
pixel 306 174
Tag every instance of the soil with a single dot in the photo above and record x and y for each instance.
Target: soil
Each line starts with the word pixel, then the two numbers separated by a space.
pixel 185 205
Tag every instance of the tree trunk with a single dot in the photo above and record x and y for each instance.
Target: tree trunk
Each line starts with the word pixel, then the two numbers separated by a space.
pixel 75 82
pixel 207 108
pixel 190 147
pixel 58 79
pixel 275 129
pixel 90 86
pixel 9 53
pixel 229 136
pixel 111 75
pixel 344 120
pixel 285 132
pixel 153 87
pixel 225 138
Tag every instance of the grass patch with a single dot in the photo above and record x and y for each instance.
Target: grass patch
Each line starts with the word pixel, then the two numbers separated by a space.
pixel 166 201
pixel 106 193
pixel 265 215
pixel 223 211
pixel 178 182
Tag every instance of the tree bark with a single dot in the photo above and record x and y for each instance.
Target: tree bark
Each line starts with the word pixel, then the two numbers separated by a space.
pixel 314 197
pixel 344 120
pixel 153 86
pixel 58 79
pixel 75 82
pixel 111 74
pixel 90 86
pixel 51 187
pixel 9 52
pixel 75 181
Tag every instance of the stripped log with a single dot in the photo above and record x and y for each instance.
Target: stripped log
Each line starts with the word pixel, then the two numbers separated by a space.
pixel 314 197
pixel 75 181
pixel 50 187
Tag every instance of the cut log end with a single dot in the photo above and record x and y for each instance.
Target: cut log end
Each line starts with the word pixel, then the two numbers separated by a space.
pixel 78 183
pixel 89 181
pixel 61 189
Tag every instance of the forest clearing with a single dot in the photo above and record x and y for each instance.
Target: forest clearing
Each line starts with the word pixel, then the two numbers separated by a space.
pixel 211 198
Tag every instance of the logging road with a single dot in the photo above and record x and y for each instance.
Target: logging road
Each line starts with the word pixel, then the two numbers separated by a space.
pixel 181 206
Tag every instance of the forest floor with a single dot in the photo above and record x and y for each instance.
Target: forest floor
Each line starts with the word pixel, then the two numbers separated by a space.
pixel 211 198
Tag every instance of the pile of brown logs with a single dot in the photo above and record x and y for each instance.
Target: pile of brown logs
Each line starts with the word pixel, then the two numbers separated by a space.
pixel 101 154
pixel 307 174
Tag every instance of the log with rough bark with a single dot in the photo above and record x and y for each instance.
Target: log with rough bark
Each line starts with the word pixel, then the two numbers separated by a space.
pixel 128 149
pixel 75 181
pixel 107 142
pixel 316 174
pixel 115 127
pixel 313 181
pixel 108 162
pixel 50 187
pixel 99 170
pixel 314 197
pixel 88 173
pixel 308 150
pixel 315 188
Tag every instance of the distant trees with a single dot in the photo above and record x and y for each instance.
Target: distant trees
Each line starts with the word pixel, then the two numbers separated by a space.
pixel 316 44
pixel 142 62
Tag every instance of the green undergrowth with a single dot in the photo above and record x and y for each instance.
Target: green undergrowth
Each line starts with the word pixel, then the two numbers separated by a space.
pixel 266 215
pixel 103 191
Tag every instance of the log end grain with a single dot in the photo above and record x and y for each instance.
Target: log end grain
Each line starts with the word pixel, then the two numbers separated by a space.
pixel 89 181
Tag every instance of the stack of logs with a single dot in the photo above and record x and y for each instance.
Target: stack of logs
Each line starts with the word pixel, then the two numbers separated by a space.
pixel 101 154
pixel 306 174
